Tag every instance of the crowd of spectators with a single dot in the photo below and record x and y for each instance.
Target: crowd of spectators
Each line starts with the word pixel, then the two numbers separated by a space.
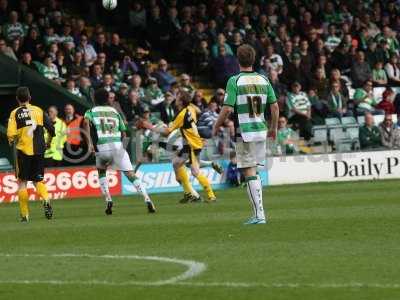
pixel 323 58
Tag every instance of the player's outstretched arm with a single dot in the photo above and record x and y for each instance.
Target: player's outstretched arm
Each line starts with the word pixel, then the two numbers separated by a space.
pixel 87 136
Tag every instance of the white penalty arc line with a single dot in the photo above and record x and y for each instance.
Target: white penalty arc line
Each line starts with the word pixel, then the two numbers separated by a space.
pixel 194 268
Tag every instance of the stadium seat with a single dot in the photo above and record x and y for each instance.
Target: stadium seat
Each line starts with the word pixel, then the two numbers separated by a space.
pixel 336 134
pixel 352 132
pixel 378 119
pixel 344 146
pixel 360 120
pixel 320 134
pixel 349 121
pixel 5 164
pixel 332 122
pixel 377 92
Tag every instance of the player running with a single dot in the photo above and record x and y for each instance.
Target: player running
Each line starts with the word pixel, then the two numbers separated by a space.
pixel 192 145
pixel 25 129
pixel 105 130
pixel 248 94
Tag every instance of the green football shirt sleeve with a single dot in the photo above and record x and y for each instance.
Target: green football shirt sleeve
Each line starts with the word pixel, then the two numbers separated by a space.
pixel 231 91
pixel 88 115
pixel 271 97
pixel 122 126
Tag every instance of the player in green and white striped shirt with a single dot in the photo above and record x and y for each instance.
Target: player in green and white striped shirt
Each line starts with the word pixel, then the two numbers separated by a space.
pixel 247 96
pixel 105 130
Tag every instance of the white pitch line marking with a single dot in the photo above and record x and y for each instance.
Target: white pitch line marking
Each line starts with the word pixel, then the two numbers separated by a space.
pixel 194 268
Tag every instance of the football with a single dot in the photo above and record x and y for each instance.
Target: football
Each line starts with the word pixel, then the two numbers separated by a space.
pixel 109 4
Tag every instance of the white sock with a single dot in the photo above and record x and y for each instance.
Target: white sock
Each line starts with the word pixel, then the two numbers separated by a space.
pixel 254 190
pixel 141 190
pixel 104 188
pixel 194 192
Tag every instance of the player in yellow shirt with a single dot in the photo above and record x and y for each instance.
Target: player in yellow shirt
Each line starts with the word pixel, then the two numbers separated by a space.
pixel 26 129
pixel 185 121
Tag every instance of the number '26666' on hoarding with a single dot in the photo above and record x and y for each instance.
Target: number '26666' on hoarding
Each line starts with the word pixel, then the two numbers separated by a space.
pixel 62 183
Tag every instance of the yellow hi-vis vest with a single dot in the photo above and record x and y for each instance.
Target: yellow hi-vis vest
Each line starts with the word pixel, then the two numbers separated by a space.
pixel 57 144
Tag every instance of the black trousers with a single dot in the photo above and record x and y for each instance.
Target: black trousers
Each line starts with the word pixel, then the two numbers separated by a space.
pixel 303 124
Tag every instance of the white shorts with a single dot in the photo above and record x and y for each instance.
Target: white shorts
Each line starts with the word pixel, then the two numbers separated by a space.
pixel 250 154
pixel 116 159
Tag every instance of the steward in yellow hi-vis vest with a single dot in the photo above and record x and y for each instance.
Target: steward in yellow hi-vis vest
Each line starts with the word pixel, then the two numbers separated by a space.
pixel 26 129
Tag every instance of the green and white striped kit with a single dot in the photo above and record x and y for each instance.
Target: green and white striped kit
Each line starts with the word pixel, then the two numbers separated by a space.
pixel 249 93
pixel 107 125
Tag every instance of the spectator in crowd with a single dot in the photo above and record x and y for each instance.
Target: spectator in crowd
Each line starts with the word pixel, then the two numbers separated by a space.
pixel 71 87
pixel 4 49
pixel 86 89
pixel 280 90
pixel 236 42
pixel 27 61
pixel 61 65
pixel 199 100
pixel 74 149
pixel 300 111
pixel 207 120
pixel 112 101
pixel 49 70
pixel 186 84
pixel 167 110
pixel 153 95
pixel 379 77
pixel 164 78
pixel 219 98
pixel 370 136
pixel 360 70
pixel 135 108
pixel 319 82
pixel 233 176
pixel 386 104
pixel 108 83
pixel 54 154
pixel 365 99
pixel 116 50
pixel 393 71
pixel 137 19
pixel 136 85
pixel 13 29
pixel 306 56
pixel 89 54
pixel 271 61
pixel 122 96
pixel 390 134
pixel 97 76
pixel 336 76
pixel 337 104
pixel 77 67
pixel 129 67
pixel 221 43
pixel 294 72
pixel 225 65
pixel 342 59
pixel 285 137
pixel 202 57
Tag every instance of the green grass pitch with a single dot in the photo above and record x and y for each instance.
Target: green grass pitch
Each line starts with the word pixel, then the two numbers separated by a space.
pixel 323 241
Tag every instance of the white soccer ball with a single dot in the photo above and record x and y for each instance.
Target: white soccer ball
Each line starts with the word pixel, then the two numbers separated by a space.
pixel 109 4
